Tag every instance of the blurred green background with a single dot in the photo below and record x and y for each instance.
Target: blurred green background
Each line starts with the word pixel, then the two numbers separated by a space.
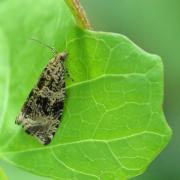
pixel 154 25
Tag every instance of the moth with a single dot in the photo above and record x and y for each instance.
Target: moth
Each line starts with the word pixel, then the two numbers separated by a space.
pixel 41 113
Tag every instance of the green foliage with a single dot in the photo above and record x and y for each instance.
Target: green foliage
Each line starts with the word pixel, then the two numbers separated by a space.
pixel 2 175
pixel 113 125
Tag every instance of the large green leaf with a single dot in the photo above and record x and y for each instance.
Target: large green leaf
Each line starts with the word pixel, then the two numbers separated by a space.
pixel 113 124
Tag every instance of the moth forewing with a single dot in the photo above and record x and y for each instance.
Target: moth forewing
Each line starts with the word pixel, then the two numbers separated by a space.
pixel 41 113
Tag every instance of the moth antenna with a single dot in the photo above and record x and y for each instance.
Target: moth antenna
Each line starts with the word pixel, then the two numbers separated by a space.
pixel 54 51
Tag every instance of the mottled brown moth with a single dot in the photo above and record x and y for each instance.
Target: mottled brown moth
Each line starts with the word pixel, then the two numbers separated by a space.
pixel 41 113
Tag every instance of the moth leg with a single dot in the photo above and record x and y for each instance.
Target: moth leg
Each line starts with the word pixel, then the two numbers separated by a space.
pixel 67 73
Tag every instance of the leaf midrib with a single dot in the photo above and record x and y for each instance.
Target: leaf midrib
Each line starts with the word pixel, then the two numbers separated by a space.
pixel 88 140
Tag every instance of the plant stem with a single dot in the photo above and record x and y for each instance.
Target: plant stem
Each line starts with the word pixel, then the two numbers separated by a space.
pixel 78 13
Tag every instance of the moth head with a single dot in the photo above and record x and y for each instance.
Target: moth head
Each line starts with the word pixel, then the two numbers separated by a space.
pixel 59 56
pixel 62 56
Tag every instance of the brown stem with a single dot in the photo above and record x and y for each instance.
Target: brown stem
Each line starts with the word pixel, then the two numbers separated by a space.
pixel 78 13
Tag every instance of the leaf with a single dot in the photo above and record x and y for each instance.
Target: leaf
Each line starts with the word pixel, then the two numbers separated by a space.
pixel 2 175
pixel 113 125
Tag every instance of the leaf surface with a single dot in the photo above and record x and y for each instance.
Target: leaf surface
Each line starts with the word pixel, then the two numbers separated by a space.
pixel 113 125
pixel 3 175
